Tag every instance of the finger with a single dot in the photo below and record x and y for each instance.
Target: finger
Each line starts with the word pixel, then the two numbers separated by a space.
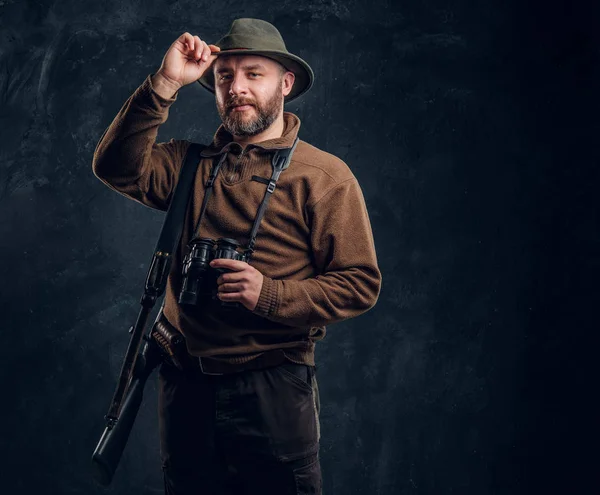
pixel 231 277
pixel 188 41
pixel 205 53
pixel 237 287
pixel 229 296
pixel 235 265
pixel 199 46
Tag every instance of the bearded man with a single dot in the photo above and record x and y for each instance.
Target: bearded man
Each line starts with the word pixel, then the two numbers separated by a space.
pixel 243 415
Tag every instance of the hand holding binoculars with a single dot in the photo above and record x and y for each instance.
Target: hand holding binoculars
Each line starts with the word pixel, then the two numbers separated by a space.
pixel 199 278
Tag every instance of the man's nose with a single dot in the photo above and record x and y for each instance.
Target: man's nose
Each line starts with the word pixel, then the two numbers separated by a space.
pixel 238 85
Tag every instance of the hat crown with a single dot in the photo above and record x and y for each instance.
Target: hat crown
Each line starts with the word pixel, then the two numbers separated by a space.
pixel 252 34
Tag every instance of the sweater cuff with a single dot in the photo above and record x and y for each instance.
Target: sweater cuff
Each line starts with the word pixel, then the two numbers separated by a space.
pixel 268 301
pixel 146 95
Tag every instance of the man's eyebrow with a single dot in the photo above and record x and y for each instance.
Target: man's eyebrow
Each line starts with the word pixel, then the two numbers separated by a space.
pixel 245 67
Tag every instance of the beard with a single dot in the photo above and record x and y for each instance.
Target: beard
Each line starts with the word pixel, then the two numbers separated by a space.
pixel 243 123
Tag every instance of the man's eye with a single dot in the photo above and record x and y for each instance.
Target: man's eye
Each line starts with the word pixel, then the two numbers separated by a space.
pixel 254 74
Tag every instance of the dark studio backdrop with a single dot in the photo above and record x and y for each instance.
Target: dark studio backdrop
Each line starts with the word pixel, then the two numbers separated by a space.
pixel 470 128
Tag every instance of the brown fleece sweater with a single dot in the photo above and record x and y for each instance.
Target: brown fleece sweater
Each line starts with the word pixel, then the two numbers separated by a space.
pixel 314 247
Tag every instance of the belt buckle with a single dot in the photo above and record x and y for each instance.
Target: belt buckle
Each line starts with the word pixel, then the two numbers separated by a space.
pixel 206 372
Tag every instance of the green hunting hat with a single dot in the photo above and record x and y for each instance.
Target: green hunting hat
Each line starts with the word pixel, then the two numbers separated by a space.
pixel 257 37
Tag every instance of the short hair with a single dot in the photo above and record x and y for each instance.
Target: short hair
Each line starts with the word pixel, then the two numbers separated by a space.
pixel 282 69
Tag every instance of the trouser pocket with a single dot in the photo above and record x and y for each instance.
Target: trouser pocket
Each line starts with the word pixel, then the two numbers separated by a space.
pixel 305 377
pixel 286 410
pixel 301 374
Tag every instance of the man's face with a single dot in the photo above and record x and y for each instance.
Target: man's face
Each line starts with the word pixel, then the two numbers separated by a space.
pixel 249 92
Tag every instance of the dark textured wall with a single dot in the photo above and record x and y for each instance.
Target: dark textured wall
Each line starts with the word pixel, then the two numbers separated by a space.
pixel 470 127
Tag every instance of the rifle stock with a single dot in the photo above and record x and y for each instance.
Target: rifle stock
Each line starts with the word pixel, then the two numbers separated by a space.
pixel 109 450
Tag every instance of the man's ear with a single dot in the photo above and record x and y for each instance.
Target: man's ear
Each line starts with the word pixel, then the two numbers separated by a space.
pixel 288 82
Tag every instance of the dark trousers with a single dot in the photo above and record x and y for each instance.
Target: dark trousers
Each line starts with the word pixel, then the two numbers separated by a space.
pixel 253 432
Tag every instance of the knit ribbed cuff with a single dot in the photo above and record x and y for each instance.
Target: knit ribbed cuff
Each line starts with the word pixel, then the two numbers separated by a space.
pixel 268 301
pixel 146 95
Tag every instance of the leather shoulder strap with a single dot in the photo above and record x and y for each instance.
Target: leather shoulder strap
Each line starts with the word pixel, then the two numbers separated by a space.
pixel 171 230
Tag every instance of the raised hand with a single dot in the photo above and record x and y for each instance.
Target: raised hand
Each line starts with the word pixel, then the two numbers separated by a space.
pixel 185 62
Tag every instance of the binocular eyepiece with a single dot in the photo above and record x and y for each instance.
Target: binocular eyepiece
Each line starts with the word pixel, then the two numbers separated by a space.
pixel 199 278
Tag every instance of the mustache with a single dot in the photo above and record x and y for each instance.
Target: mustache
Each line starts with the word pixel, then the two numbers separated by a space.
pixel 238 102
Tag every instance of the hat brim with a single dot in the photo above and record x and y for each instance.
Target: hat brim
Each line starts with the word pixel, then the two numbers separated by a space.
pixel 304 76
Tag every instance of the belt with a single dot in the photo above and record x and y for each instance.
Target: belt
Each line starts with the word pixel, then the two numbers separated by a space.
pixel 172 343
pixel 215 366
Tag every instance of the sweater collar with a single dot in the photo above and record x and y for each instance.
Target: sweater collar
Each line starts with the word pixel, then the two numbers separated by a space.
pixel 223 139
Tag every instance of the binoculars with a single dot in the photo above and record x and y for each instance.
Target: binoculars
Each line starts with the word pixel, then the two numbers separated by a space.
pixel 199 278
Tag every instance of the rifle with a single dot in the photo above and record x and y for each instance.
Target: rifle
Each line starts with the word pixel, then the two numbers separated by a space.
pixel 138 366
